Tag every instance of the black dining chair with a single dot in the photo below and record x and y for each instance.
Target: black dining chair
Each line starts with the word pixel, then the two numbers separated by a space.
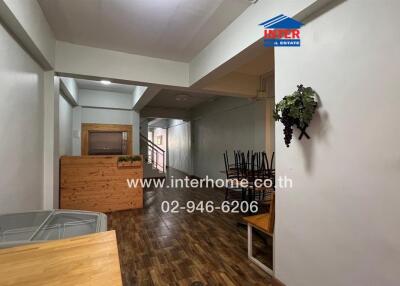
pixel 257 172
pixel 234 175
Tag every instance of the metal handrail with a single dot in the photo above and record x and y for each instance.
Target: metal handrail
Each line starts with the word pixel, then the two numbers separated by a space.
pixel 155 151
pixel 153 159
pixel 149 142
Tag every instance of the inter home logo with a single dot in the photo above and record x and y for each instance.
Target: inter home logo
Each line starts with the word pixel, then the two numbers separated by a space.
pixel 281 31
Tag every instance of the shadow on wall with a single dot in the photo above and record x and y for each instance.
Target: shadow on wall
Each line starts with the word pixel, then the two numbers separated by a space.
pixel 318 131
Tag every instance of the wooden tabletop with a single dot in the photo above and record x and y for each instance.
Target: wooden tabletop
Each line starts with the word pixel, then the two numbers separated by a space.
pixel 84 260
pixel 261 222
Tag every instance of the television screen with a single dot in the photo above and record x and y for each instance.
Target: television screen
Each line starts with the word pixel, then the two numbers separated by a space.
pixel 107 143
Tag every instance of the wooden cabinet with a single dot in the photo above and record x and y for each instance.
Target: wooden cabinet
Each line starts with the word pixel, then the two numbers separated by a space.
pixel 93 128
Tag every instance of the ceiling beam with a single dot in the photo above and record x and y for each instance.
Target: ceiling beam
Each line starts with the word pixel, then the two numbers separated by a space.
pixel 155 121
pixel 161 112
pixel 84 61
pixel 69 90
pixel 159 123
pixel 143 95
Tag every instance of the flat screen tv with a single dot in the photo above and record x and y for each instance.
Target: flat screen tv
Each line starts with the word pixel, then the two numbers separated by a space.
pixel 107 143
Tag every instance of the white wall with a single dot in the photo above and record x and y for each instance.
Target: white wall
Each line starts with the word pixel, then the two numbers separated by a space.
pixel 180 146
pixel 65 127
pixel 340 223
pixel 21 126
pixel 28 23
pixel 106 116
pixel 226 124
pixel 107 99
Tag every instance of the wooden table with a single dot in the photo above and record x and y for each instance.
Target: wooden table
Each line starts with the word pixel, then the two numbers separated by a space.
pixel 84 260
pixel 262 222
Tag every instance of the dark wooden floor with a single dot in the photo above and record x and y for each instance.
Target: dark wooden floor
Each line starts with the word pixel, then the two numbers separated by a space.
pixel 180 249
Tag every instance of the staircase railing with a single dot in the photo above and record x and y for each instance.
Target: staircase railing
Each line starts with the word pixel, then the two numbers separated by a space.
pixel 153 153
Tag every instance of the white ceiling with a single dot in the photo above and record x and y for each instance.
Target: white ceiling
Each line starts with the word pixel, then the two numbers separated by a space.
pixel 97 85
pixel 170 29
pixel 168 99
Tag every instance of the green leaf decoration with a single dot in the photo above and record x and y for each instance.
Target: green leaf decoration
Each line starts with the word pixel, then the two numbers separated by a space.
pixel 296 110
pixel 129 158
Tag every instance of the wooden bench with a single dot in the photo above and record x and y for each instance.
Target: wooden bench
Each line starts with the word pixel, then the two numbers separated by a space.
pixel 264 223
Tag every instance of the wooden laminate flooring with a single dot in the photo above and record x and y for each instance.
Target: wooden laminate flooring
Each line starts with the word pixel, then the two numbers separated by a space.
pixel 158 248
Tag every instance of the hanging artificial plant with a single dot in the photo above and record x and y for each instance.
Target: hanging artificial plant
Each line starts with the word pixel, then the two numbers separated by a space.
pixel 296 110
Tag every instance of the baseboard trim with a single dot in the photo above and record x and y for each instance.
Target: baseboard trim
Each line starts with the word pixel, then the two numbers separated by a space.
pixel 276 282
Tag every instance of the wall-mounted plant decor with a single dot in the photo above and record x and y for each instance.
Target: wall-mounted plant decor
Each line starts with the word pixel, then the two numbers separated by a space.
pixel 296 110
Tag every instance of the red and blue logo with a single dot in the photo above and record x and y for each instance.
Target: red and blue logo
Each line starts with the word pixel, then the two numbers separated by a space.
pixel 282 31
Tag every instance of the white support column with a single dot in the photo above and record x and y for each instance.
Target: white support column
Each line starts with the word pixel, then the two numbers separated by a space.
pixel 51 86
pixel 76 130
pixel 270 127
pixel 135 132
pixel 269 119
pixel 166 159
